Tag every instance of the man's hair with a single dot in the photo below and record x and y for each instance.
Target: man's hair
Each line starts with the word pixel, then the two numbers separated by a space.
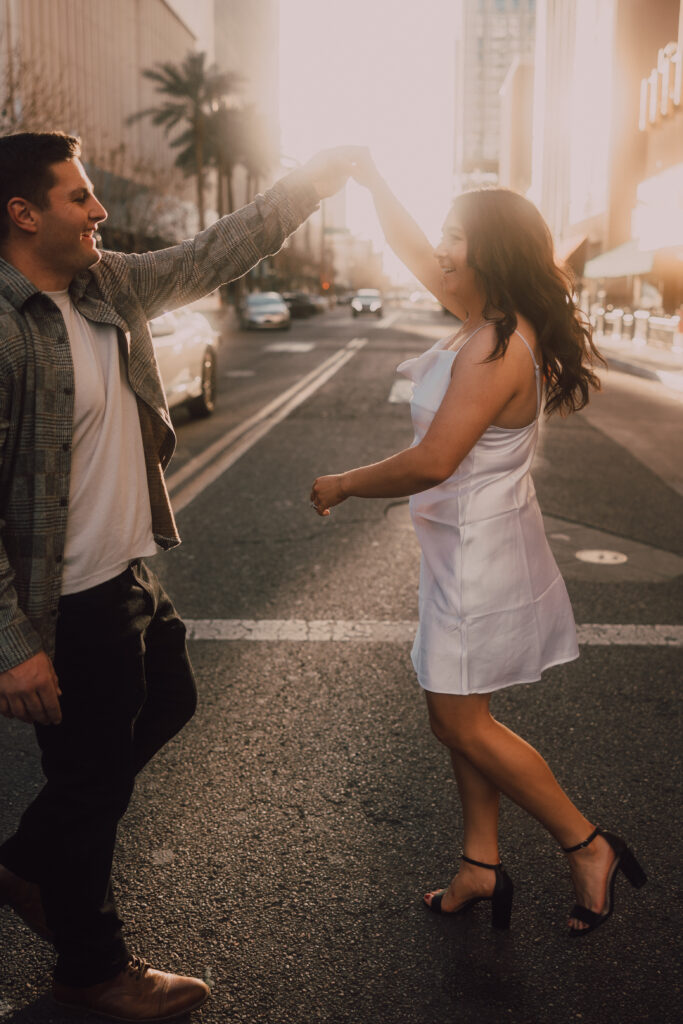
pixel 26 160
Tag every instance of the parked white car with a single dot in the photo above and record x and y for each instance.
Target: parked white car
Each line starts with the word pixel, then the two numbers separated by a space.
pixel 185 347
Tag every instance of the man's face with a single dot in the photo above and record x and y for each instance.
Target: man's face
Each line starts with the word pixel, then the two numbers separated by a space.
pixel 66 227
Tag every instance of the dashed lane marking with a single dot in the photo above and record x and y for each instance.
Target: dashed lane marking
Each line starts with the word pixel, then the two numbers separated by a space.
pixel 387 321
pixel 205 468
pixel 290 346
pixel 344 631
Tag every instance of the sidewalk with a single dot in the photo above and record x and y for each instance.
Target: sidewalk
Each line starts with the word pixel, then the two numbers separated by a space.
pixel 642 360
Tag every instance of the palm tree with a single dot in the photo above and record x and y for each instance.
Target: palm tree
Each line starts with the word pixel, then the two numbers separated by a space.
pixel 194 91
pixel 225 131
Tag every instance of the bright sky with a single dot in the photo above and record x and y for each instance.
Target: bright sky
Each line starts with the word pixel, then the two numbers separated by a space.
pixel 378 73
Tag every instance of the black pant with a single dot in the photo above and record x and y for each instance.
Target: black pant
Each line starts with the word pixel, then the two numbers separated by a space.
pixel 127 688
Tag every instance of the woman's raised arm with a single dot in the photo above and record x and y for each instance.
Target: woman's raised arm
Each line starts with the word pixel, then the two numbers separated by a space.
pixel 403 234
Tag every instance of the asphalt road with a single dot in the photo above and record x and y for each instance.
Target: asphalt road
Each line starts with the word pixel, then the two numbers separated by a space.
pixel 279 847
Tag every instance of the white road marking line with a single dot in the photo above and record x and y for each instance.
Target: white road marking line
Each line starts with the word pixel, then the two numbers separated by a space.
pixel 341 631
pixel 290 346
pixel 636 635
pixel 223 453
pixel 240 373
pixel 401 391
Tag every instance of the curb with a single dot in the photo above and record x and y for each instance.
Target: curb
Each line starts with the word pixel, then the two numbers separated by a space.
pixel 671 378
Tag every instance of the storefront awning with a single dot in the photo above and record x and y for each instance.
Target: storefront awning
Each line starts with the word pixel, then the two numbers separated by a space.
pixel 572 252
pixel 626 260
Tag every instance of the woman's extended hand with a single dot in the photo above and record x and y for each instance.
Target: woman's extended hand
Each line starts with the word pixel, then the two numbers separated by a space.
pixel 327 492
pixel 364 170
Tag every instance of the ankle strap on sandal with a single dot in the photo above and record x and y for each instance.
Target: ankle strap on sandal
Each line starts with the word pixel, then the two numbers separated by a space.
pixel 580 846
pixel 479 864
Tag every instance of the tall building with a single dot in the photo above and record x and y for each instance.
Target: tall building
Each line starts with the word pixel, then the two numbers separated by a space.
pixel 492 35
pixel 588 152
pixel 247 40
pixel 516 126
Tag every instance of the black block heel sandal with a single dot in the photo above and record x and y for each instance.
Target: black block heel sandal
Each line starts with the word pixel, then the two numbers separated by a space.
pixel 501 898
pixel 625 862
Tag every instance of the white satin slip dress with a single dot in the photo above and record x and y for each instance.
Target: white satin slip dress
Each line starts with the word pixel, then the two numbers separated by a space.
pixel 494 610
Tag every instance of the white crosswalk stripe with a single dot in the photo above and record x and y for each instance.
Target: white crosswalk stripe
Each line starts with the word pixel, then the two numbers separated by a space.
pixel 377 631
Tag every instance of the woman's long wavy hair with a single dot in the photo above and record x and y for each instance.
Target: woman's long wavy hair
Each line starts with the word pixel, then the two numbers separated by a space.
pixel 510 248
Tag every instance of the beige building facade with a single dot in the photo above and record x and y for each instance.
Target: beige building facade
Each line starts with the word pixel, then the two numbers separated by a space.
pixel 490 36
pixel 76 66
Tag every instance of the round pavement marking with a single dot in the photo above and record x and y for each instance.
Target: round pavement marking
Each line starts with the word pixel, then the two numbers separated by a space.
pixel 601 557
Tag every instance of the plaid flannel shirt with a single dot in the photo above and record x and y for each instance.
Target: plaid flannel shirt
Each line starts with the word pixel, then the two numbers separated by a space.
pixel 37 392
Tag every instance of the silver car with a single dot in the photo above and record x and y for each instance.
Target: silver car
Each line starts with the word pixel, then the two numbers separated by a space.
pixel 185 347
pixel 264 311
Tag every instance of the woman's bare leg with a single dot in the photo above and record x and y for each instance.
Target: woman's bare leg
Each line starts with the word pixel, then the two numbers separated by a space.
pixel 480 801
pixel 511 765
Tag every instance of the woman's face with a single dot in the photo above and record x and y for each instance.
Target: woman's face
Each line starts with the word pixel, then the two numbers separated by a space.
pixel 451 255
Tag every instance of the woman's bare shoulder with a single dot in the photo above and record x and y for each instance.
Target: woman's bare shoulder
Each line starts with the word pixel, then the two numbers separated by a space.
pixel 528 332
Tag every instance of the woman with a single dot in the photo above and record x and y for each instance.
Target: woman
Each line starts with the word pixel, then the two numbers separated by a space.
pixel 494 610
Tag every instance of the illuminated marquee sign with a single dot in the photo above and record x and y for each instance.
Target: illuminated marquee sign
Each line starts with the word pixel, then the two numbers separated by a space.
pixel 661 91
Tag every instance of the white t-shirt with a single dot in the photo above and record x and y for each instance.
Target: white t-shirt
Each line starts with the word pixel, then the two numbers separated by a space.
pixel 110 517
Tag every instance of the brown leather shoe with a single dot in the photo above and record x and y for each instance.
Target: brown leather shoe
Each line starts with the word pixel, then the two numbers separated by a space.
pixel 24 899
pixel 138 992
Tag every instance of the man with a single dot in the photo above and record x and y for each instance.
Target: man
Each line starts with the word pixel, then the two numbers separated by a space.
pixel 91 649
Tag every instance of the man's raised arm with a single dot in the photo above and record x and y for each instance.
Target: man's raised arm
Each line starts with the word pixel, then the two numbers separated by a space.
pixel 228 249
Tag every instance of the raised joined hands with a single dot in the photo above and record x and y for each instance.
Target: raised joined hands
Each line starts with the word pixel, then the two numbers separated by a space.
pixel 330 169
pixel 364 170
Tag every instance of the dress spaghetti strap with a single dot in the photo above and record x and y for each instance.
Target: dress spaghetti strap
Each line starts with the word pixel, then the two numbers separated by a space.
pixel 537 370
pixel 470 336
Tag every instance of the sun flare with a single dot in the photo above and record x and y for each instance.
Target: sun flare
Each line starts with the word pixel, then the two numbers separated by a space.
pixel 380 74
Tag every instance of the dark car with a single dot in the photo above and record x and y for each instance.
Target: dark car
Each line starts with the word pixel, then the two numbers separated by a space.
pixel 367 300
pixel 264 311
pixel 300 304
